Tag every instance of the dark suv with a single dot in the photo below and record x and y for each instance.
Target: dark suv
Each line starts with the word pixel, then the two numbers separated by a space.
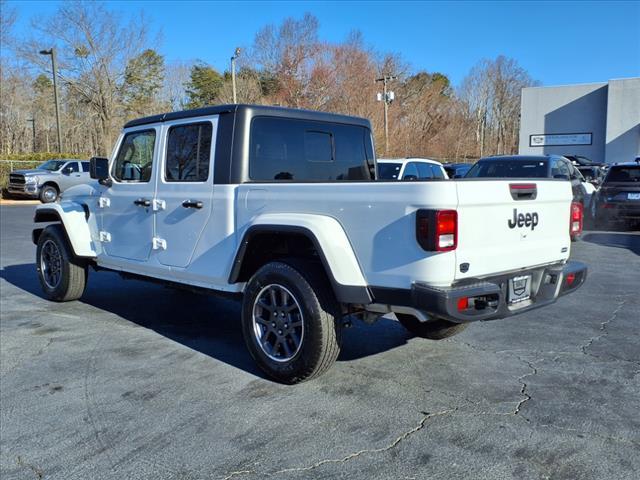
pixel 618 199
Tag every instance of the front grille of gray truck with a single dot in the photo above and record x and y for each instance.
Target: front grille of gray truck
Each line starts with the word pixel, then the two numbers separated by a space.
pixel 16 178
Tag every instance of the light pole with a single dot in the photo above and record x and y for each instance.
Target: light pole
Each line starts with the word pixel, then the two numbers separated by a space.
pixel 33 131
pixel 236 54
pixel 52 52
pixel 387 97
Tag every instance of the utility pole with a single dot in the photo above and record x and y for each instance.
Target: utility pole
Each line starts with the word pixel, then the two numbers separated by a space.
pixel 52 52
pixel 33 130
pixel 233 73
pixel 386 97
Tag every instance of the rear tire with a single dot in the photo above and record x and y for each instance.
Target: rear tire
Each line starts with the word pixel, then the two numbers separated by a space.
pixel 290 321
pixel 62 276
pixel 433 330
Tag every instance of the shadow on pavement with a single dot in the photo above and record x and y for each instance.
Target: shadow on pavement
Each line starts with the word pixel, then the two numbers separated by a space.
pixel 207 324
pixel 629 241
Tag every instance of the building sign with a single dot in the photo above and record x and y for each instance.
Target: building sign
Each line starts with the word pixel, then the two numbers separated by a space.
pixel 560 139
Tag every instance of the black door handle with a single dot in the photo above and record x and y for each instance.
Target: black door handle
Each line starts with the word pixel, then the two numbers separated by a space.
pixel 192 204
pixel 142 202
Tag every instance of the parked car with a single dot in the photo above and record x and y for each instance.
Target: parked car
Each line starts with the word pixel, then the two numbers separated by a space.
pixel 409 169
pixel 457 170
pixel 592 174
pixel 582 161
pixel 281 207
pixel 618 199
pixel 48 180
pixel 538 167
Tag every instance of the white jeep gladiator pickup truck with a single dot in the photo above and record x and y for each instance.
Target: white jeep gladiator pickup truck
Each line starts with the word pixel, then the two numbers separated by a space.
pixel 282 207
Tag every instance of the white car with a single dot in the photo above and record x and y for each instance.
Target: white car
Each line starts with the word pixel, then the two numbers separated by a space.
pixel 281 208
pixel 408 169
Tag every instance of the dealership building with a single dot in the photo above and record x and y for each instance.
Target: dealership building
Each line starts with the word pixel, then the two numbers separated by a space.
pixel 600 121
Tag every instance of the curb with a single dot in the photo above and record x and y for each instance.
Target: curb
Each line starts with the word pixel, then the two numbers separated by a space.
pixel 4 202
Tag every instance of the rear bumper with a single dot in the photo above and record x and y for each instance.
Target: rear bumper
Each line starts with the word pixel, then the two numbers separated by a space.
pixel 547 284
pixel 619 211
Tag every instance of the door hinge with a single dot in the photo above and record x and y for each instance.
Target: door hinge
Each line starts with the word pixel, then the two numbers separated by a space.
pixel 104 202
pixel 159 205
pixel 105 237
pixel 159 243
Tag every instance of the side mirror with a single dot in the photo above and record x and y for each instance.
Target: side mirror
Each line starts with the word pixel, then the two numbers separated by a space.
pixel 99 170
pixel 67 170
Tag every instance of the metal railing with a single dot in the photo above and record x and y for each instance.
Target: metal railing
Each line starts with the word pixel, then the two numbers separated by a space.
pixel 13 164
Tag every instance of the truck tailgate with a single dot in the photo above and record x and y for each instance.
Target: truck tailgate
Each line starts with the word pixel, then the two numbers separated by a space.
pixel 499 231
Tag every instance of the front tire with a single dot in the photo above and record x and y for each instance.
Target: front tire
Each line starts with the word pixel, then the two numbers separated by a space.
pixel 48 194
pixel 290 321
pixel 62 276
pixel 433 330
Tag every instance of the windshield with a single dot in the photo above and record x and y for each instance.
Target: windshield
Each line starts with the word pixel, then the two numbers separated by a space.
pixel 52 165
pixel 509 169
pixel 389 171
pixel 624 174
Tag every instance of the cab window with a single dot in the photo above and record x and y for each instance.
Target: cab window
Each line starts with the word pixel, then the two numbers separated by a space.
pixel 559 169
pixel 425 171
pixel 71 167
pixel 135 157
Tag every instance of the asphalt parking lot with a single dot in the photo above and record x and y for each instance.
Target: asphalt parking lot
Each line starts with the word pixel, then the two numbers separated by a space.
pixel 136 381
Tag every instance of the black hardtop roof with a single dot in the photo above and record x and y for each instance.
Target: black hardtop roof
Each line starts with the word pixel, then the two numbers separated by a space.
pixel 521 158
pixel 253 110
pixel 625 165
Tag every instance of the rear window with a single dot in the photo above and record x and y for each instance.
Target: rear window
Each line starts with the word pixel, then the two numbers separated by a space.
pixel 86 166
pixel 389 171
pixel 509 169
pixel 303 151
pixel 624 174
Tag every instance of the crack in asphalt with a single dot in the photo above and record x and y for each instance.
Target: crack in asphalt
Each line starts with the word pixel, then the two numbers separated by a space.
pixel 39 473
pixel 524 386
pixel 426 417
pixel 603 328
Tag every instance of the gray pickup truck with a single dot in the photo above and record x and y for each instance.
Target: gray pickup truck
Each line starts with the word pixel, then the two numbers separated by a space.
pixel 48 180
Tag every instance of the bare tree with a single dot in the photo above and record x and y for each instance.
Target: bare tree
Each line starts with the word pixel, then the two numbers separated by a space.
pixel 94 47
pixel 491 92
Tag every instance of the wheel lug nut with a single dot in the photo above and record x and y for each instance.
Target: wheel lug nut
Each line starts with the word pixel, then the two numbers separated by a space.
pixel 279 332
pixel 273 324
pixel 286 325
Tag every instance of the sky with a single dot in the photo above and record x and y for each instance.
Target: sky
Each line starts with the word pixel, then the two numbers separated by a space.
pixel 558 43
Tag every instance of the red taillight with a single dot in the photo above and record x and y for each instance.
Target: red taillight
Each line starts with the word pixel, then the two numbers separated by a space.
pixel 463 303
pixel 576 219
pixel 437 230
pixel 446 230
pixel 570 278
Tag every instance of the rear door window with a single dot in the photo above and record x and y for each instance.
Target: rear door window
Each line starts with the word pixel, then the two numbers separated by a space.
pixel 188 153
pixel 389 171
pixel 86 166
